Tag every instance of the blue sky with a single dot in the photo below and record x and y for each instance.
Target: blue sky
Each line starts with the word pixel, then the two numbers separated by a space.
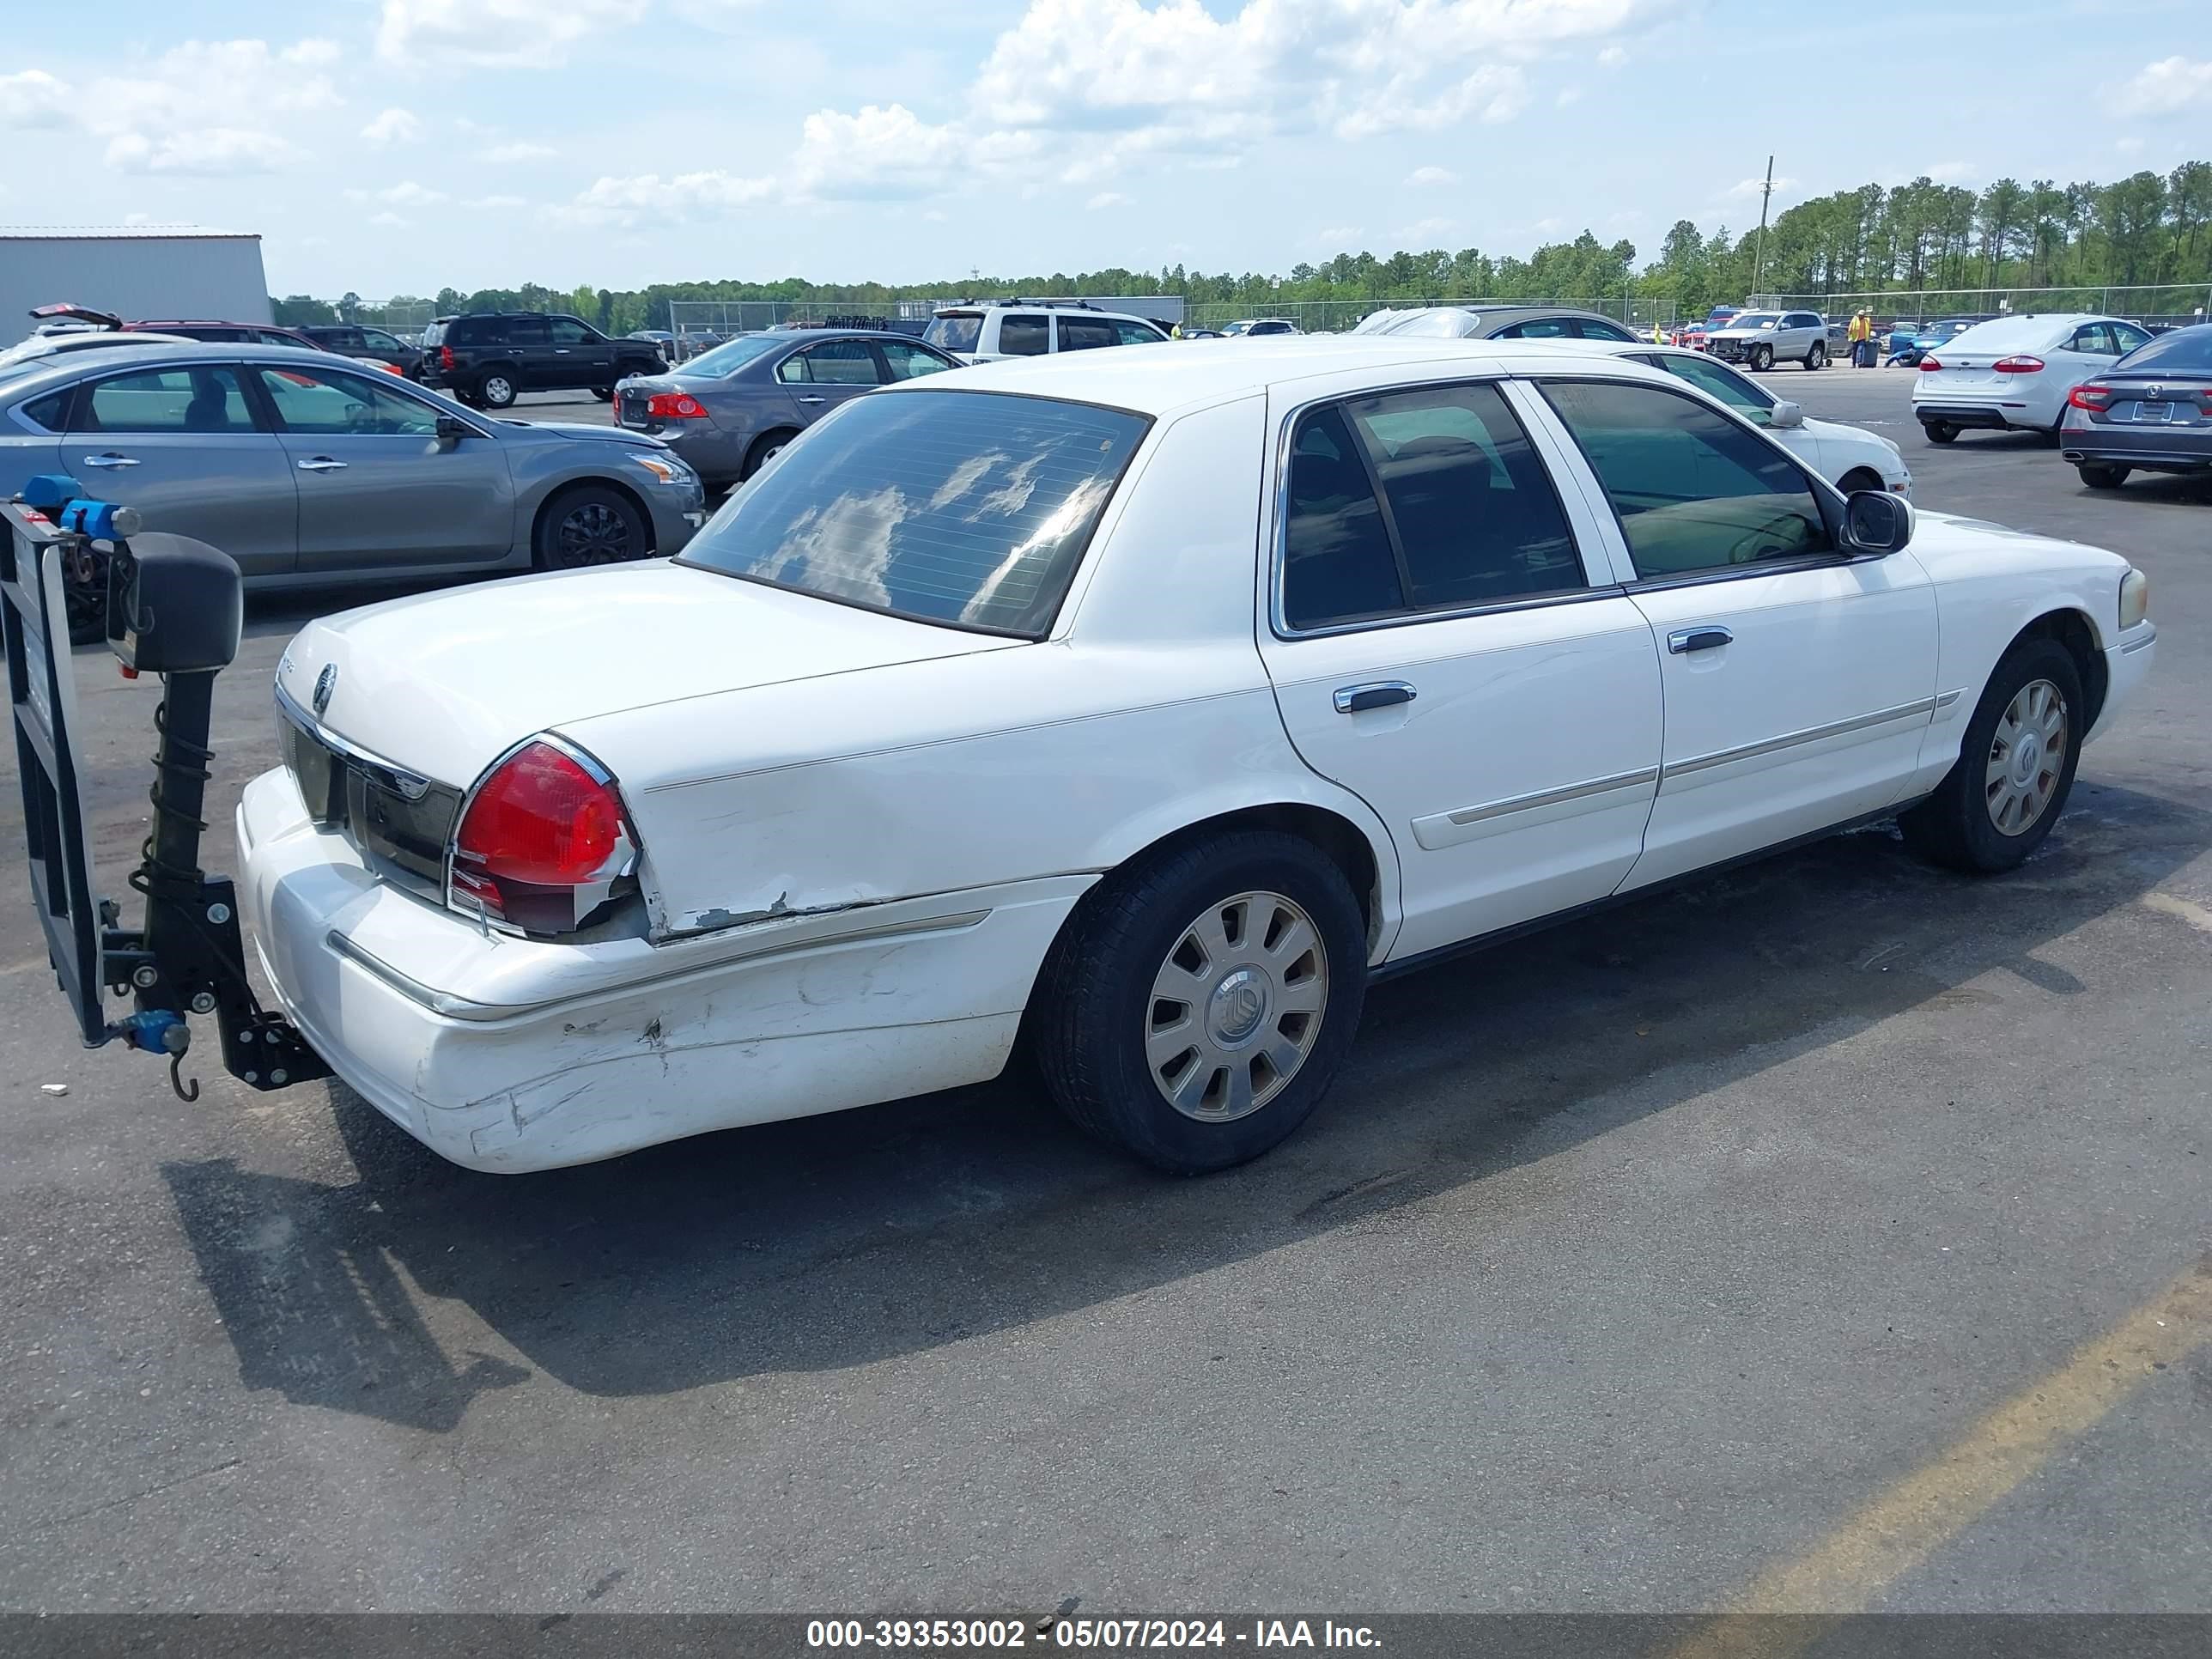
pixel 399 145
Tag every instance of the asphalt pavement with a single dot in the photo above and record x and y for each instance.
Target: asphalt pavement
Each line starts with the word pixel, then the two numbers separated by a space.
pixel 1718 1243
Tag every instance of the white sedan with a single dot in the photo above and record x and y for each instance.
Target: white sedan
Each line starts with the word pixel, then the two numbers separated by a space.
pixel 1137 707
pixel 2013 374
pixel 1849 457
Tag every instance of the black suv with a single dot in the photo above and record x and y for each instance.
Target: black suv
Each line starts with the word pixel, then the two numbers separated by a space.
pixel 378 345
pixel 492 357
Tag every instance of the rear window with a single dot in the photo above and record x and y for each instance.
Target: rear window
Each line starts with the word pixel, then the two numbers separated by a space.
pixel 434 336
pixel 2003 334
pixel 966 508
pixel 2184 351
pixel 957 332
pixel 732 355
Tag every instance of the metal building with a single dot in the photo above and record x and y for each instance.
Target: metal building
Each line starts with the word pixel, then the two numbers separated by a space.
pixel 173 271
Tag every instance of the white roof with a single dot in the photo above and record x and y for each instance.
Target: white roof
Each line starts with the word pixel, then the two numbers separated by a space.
pixel 121 233
pixel 1154 380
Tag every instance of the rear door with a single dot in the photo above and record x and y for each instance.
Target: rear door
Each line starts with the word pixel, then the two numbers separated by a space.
pixel 827 374
pixel 187 447
pixel 376 489
pixel 1440 645
pixel 529 346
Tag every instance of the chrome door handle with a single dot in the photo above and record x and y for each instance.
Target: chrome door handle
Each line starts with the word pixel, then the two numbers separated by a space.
pixel 109 461
pixel 1376 694
pixel 813 400
pixel 322 463
pixel 1708 638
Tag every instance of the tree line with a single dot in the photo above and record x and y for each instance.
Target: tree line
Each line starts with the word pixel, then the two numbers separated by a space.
pixel 2147 229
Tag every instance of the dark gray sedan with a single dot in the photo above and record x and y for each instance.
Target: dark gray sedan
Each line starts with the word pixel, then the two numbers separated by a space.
pixel 308 469
pixel 2150 412
pixel 728 410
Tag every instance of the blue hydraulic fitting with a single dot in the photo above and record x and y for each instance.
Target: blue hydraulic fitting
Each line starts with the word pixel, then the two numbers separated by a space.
pixel 103 521
pixel 156 1030
pixel 46 492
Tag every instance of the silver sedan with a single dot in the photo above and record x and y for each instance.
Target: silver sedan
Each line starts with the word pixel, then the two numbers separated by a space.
pixel 728 410
pixel 308 469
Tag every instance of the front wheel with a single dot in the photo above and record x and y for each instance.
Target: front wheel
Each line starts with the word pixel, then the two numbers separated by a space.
pixel 605 394
pixel 1762 358
pixel 1817 357
pixel 2100 477
pixel 1200 1003
pixel 1940 431
pixel 589 525
pixel 2014 770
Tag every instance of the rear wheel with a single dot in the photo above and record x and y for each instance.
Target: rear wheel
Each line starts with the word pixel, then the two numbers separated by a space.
pixel 2100 477
pixel 766 447
pixel 589 525
pixel 496 389
pixel 1200 1003
pixel 2014 770
pixel 1817 357
pixel 605 394
pixel 1940 431
pixel 1762 358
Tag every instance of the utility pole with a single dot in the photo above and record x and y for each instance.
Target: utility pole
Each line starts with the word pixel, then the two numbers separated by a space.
pixel 1758 250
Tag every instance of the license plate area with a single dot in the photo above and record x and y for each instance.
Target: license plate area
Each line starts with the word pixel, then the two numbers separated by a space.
pixel 398 822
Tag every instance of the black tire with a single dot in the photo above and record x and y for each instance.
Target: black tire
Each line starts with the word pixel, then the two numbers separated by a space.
pixel 1817 357
pixel 1955 827
pixel 2099 475
pixel 496 388
pixel 588 524
pixel 86 601
pixel 1858 478
pixel 1940 431
pixel 1762 359
pixel 764 448
pixel 605 394
pixel 1094 998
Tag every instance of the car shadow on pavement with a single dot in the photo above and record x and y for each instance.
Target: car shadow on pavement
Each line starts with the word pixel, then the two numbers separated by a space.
pixel 840 1240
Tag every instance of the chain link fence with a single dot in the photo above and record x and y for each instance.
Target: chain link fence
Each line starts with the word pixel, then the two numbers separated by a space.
pixel 697 324
pixel 1336 316
pixel 2163 307
pixel 400 320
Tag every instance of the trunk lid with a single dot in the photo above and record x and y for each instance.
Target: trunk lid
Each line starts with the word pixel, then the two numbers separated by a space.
pixel 442 684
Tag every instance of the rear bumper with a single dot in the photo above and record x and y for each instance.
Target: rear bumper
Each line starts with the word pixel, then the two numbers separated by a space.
pixel 512 1054
pixel 715 453
pixel 1973 418
pixel 2153 448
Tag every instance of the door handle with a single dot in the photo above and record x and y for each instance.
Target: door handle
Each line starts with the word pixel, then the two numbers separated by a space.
pixel 813 400
pixel 1376 694
pixel 1710 637
pixel 109 461
pixel 321 463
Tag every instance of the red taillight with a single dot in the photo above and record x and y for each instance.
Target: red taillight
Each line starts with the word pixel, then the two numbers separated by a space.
pixel 674 406
pixel 2018 365
pixel 2091 396
pixel 542 842
pixel 444 356
pixel 1929 365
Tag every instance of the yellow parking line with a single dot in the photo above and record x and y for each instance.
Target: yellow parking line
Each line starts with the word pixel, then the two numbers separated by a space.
pixel 2167 904
pixel 1902 1527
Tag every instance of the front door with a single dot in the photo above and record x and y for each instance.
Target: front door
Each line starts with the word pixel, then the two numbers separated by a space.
pixel 186 448
pixel 1797 682
pixel 824 376
pixel 376 489
pixel 581 355
pixel 1439 646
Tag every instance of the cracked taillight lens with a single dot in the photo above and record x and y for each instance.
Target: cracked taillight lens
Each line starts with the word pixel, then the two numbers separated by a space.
pixel 543 843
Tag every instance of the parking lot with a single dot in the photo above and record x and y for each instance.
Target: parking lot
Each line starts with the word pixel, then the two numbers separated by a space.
pixel 1832 1233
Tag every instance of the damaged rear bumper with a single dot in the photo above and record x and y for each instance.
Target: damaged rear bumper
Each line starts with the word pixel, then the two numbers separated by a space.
pixel 512 1054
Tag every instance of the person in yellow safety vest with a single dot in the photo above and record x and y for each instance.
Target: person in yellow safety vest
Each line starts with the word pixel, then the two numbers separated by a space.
pixel 1861 334
pixel 1658 335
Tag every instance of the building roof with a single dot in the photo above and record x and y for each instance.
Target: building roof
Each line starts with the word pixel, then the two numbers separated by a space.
pixel 122 233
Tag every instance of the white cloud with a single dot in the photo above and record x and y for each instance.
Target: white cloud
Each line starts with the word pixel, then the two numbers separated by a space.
pixel 1108 199
pixel 1547 227
pixel 1568 95
pixel 2127 146
pixel 393 126
pixel 1423 230
pixel 1338 236
pixel 495 31
pixel 2172 83
pixel 32 96
pixel 520 150
pixel 647 197
pixel 1613 56
pixel 406 193
pixel 494 202
pixel 1422 177
pixel 1943 172
pixel 155 115
pixel 385 219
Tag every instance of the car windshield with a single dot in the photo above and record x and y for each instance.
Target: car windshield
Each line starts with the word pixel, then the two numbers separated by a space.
pixel 732 354
pixel 1234 328
pixel 966 508
pixel 1753 319
pixel 957 332
pixel 2183 351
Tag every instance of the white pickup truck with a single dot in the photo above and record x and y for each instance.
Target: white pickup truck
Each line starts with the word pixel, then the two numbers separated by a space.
pixel 1758 339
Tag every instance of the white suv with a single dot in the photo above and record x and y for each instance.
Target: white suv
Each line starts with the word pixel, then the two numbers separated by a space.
pixel 1020 328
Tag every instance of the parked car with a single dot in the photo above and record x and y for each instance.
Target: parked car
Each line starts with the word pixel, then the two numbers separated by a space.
pixel 729 411
pixel 951 732
pixel 488 359
pixel 43 346
pixel 307 468
pixel 2012 373
pixel 2150 412
pixel 1187 333
pixel 1759 339
pixel 659 338
pixel 1253 328
pixel 1021 328
pixel 1849 457
pixel 1909 343
pixel 84 319
pixel 376 345
pixel 1494 323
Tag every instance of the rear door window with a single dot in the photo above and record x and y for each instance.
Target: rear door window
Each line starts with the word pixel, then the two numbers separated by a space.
pixel 197 400
pixel 1024 336
pixel 525 332
pixel 834 362
pixel 1085 333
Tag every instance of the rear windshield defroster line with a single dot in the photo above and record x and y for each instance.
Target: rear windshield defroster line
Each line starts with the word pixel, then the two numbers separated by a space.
pixel 968 509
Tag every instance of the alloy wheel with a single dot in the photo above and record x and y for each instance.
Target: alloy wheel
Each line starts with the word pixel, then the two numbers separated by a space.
pixel 1236 1007
pixel 2027 757
pixel 592 533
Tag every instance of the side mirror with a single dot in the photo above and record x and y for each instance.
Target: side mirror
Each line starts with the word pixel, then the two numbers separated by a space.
pixel 1785 414
pixel 1876 522
pixel 452 428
